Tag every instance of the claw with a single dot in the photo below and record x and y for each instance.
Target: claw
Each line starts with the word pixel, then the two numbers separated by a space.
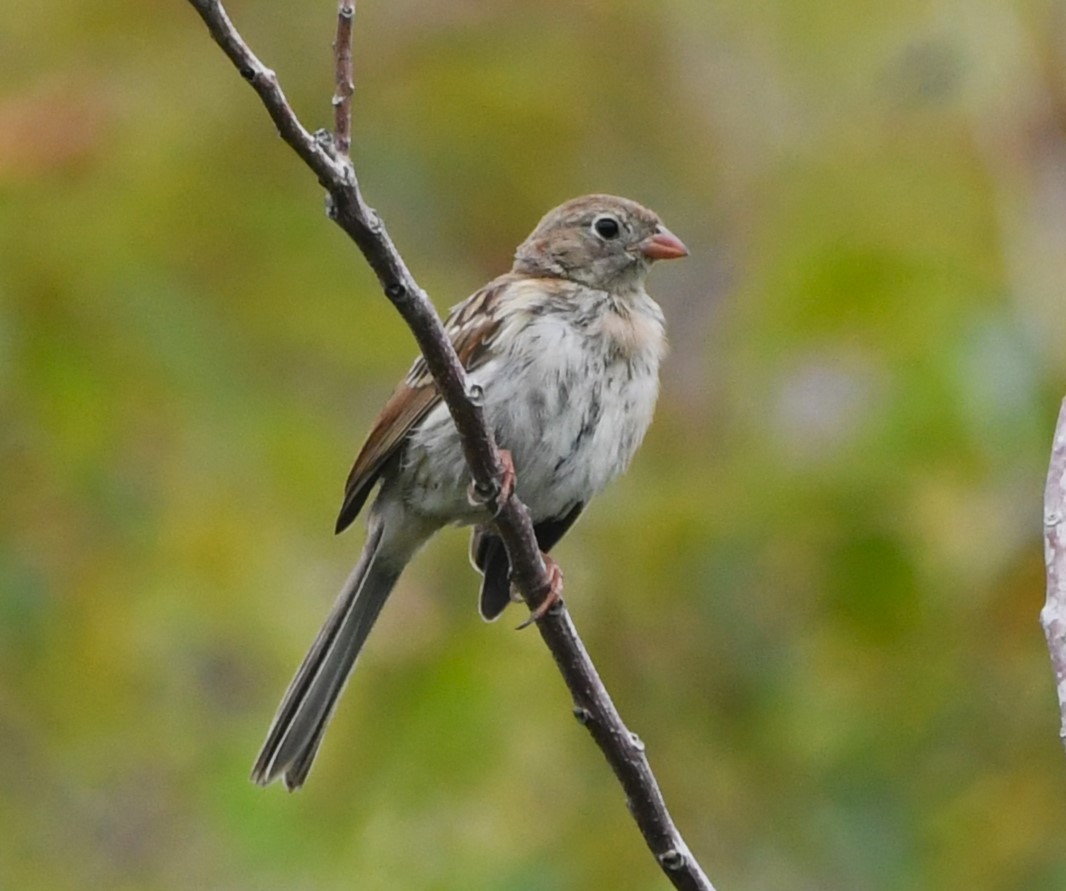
pixel 477 496
pixel 507 479
pixel 553 596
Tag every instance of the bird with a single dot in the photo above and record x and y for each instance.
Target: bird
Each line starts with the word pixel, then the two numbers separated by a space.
pixel 565 351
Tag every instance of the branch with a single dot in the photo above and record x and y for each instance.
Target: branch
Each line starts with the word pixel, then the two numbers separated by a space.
pixel 342 98
pixel 326 155
pixel 1053 615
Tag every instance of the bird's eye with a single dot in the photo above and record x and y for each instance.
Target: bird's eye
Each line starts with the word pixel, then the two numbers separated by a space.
pixel 607 227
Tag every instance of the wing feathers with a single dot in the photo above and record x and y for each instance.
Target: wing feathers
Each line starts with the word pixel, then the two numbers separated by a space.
pixel 405 408
pixel 472 327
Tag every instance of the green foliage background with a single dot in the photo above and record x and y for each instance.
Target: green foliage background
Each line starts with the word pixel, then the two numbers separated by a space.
pixel 815 595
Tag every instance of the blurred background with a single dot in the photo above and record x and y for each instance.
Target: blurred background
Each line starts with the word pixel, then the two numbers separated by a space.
pixel 814 596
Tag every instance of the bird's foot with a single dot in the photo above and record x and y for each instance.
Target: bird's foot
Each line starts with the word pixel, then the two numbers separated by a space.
pixel 553 596
pixel 507 479
pixel 496 497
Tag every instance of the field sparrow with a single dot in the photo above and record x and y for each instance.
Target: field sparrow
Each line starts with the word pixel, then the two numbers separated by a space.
pixel 566 349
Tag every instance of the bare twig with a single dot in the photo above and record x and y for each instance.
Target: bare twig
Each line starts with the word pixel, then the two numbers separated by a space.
pixel 1053 615
pixel 345 83
pixel 592 704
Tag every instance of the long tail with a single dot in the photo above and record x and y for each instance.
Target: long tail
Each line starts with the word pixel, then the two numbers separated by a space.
pixel 301 719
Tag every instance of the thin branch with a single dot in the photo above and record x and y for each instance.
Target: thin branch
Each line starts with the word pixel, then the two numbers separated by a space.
pixel 345 83
pixel 1053 615
pixel 265 83
pixel 592 704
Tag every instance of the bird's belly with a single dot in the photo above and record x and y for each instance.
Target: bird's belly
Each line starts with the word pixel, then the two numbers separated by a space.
pixel 571 428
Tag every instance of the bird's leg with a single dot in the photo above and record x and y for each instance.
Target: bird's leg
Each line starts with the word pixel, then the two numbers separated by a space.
pixel 507 479
pixel 553 595
pixel 497 497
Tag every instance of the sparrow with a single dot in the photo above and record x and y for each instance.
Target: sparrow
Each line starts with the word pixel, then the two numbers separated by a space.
pixel 565 350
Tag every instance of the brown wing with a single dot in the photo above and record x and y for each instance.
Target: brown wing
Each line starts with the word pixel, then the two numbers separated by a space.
pixel 405 408
pixel 471 327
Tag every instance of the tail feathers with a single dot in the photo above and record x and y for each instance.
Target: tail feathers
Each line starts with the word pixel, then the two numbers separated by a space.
pixel 489 557
pixel 301 719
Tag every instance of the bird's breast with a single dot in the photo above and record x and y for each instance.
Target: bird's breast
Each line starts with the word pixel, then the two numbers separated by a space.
pixel 577 405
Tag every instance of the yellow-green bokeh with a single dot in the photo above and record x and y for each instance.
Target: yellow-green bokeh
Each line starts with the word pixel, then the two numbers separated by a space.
pixel 814 596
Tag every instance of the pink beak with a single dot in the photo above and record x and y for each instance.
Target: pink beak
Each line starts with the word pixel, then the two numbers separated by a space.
pixel 663 245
